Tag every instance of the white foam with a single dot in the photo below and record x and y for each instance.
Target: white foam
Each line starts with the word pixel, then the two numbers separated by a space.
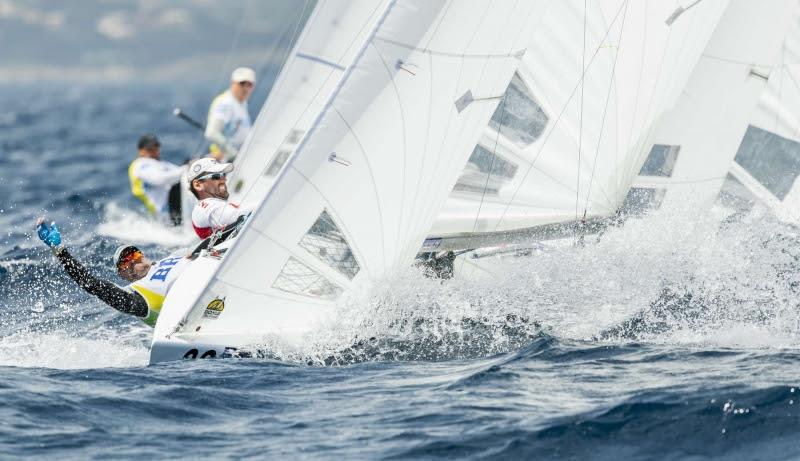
pixel 130 226
pixel 64 350
pixel 739 281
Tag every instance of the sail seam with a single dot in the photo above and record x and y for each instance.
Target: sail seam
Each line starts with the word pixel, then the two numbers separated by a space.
pixel 451 54
pixel 319 60
pixel 605 112
pixel 553 126
pixel 403 136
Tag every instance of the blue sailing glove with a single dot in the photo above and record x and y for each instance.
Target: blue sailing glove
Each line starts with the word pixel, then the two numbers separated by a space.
pixel 49 234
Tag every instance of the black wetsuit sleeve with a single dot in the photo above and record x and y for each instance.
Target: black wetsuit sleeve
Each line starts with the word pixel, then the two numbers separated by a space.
pixel 120 299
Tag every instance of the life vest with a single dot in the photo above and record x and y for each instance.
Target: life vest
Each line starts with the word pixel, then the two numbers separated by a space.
pixel 156 284
pixel 137 188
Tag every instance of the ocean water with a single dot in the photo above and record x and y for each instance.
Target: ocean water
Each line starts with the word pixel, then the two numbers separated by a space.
pixel 664 339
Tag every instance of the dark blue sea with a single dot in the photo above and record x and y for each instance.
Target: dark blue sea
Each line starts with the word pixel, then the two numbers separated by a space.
pixel 667 338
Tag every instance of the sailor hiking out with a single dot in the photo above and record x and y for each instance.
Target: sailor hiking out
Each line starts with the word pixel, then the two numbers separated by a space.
pixel 156 182
pixel 150 281
pixel 228 117
pixel 208 182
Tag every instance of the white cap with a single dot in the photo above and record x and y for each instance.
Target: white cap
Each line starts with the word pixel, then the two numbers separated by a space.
pixel 243 74
pixel 207 165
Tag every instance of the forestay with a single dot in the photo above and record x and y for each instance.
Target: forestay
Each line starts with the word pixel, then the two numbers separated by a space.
pixel 333 34
pixel 361 191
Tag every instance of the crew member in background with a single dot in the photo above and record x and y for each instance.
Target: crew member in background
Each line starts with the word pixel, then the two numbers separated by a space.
pixel 156 182
pixel 208 182
pixel 228 119
pixel 150 281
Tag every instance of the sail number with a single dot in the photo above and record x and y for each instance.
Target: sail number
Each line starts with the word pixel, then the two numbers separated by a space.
pixel 192 354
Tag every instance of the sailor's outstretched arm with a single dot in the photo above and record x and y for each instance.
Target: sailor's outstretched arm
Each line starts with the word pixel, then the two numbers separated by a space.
pixel 120 299
pixel 116 297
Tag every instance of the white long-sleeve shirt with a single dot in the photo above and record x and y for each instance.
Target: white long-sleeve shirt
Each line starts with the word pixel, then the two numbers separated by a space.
pixel 211 214
pixel 228 122
pixel 151 181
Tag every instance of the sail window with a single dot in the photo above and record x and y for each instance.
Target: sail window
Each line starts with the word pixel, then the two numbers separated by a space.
pixel 485 172
pixel 642 199
pixel 277 162
pixel 736 196
pixel 772 160
pixel 326 242
pixel 294 136
pixel 518 117
pixel 660 161
pixel 297 278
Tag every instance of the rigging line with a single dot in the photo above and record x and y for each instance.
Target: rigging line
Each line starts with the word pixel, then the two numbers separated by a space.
pixel 429 118
pixel 201 138
pixel 371 177
pixel 780 82
pixel 605 111
pixel 467 44
pixel 630 171
pixel 316 94
pixel 740 63
pixel 441 19
pixel 288 49
pixel 451 54
pixel 491 165
pixel 486 62
pixel 403 137
pixel 269 56
pixel 452 112
pixel 580 121
pixel 684 181
pixel 634 119
pixel 555 122
pixel 794 82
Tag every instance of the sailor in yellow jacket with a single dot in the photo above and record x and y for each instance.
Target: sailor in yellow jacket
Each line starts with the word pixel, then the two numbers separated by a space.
pixel 156 182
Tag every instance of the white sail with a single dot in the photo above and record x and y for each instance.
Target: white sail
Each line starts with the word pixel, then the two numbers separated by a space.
pixel 569 137
pixel 361 191
pixel 766 166
pixel 334 32
pixel 695 143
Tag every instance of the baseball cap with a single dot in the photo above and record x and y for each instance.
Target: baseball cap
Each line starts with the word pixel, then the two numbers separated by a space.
pixel 243 74
pixel 207 165
pixel 148 141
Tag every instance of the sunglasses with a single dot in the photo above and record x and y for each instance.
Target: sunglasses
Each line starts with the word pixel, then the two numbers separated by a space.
pixel 214 176
pixel 246 84
pixel 127 261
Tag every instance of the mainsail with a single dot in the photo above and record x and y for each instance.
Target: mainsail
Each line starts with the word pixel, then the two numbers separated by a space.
pixel 766 166
pixel 333 34
pixel 362 189
pixel 576 121
pixel 695 143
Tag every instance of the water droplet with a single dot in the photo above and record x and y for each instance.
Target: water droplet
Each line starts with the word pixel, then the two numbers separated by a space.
pixel 38 307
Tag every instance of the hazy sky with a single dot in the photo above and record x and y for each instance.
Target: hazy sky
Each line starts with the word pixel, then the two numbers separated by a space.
pixel 142 40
